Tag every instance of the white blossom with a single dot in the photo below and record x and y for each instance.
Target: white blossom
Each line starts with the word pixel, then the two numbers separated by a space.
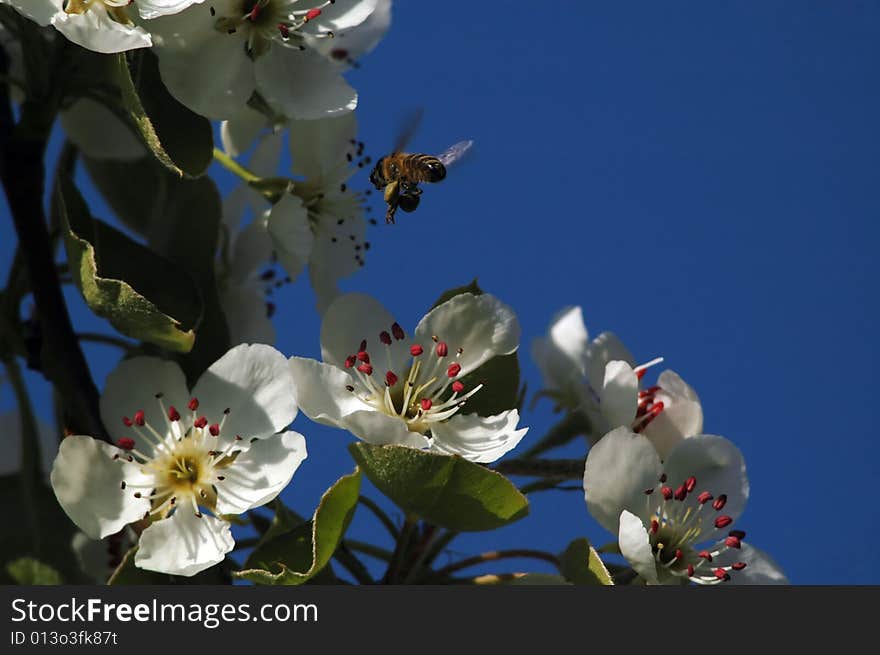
pixel 388 388
pixel 673 518
pixel 181 462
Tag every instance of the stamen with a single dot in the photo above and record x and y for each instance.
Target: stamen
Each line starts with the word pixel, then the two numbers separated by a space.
pixel 416 350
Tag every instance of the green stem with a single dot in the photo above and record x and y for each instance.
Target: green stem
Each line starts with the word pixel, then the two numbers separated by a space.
pixel 380 514
pixel 234 167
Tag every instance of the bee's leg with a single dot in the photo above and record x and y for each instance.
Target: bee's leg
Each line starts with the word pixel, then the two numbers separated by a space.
pixel 392 195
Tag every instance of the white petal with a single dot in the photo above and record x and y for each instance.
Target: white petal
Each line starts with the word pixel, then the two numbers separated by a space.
pixel 239 131
pixel 133 386
pixel 338 251
pixel 184 544
pixel 186 31
pixel 319 146
pixel 246 317
pixel 342 15
pixel 267 155
pixel 356 317
pixel 254 383
pixel 760 569
pixel 562 354
pixel 321 391
pixel 605 348
pixel 682 414
pixel 260 473
pixel 251 250
pixel 154 8
pixel 620 394
pixel 477 438
pixel 351 45
pixel 291 234
pixel 620 467
pixel 302 84
pixel 87 482
pixel 39 11
pixel 719 468
pixel 96 31
pixel 99 133
pixel 481 326
pixel 635 546
pixel 377 428
pixel 214 78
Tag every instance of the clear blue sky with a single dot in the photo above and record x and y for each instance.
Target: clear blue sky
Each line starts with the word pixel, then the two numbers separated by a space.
pixel 702 178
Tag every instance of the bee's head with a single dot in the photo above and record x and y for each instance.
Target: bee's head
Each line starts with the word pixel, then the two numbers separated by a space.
pixel 376 177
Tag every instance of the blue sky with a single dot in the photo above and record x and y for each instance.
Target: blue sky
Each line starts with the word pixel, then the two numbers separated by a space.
pixel 701 178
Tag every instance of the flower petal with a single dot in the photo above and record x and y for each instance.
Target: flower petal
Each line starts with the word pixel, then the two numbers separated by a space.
pixel 288 225
pixel 87 482
pixel 302 84
pixel 318 147
pixel 254 383
pixel 635 546
pixel 620 467
pixel 321 391
pixel 246 316
pixel 760 569
pixel 184 544
pixel 338 250
pixel 260 473
pixel 620 394
pixel 356 317
pixel 377 428
pixel 342 15
pixel 562 354
pixel 682 415
pixel 133 386
pixel 605 348
pixel 719 468
pixel 238 132
pixel 154 8
pixel 481 326
pixel 481 439
pixel 95 30
pixel 350 45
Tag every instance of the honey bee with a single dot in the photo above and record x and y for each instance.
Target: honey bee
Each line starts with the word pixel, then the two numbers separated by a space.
pixel 400 173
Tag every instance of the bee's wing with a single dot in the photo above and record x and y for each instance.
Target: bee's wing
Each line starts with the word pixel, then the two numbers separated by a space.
pixel 408 128
pixel 455 152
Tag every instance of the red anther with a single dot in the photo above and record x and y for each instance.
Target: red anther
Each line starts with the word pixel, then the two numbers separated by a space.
pixel 415 350
pixel 739 534
pixel 252 15
pixel 398 332
pixel 678 553
pixel 350 361
pixel 139 417
pixel 641 373
pixel 126 443
pixel 721 574
pixel 453 370
pixel 681 493
pixel 385 338
pixel 690 570
pixel 656 408
pixel 720 502
pixel 738 566
pixel 426 404
pixel 442 349
pixel 390 379
pixel 705 554
pixel 200 422
pixel 690 484
pixel 340 53
pixel 723 521
pixel 662 478
pixel 126 422
pixel 650 391
pixel 284 30
pixel 667 492
pixel 363 356
pixel 366 369
pixel 363 345
pixel 457 387
pixel 313 14
pixel 704 497
pixel 193 404
pixel 655 526
pixel 214 429
pixel 173 414
pixel 733 542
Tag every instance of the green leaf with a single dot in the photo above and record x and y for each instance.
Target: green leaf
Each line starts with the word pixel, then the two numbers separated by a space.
pixel 581 565
pixel 449 294
pixel 294 557
pixel 142 294
pixel 182 140
pixel 128 574
pixel 445 490
pixel 28 571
